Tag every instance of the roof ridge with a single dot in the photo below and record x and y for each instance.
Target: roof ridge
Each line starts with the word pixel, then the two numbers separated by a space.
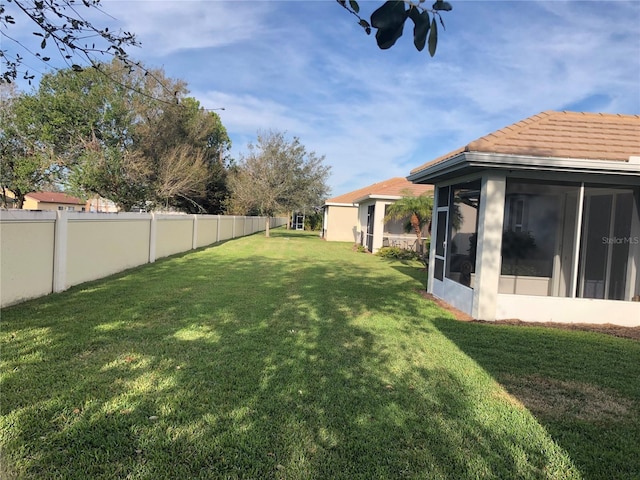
pixel 377 188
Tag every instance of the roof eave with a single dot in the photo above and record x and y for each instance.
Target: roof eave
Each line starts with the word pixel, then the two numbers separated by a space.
pixel 339 204
pixel 463 162
pixel 373 196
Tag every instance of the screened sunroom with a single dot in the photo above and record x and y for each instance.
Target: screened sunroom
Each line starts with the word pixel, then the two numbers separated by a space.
pixel 537 238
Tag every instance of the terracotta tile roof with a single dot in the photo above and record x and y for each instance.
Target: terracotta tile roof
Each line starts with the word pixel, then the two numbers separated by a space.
pixel 393 187
pixel 589 136
pixel 55 197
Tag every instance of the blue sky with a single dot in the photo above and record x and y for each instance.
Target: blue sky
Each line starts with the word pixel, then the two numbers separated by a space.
pixel 307 68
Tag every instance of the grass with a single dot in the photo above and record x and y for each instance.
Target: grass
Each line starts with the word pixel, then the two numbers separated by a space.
pixel 293 358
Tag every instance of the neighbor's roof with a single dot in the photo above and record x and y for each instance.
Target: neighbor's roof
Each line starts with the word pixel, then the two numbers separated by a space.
pixel 394 187
pixel 574 135
pixel 54 197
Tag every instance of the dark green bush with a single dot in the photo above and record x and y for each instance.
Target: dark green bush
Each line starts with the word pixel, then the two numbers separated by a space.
pixel 397 253
pixel 313 221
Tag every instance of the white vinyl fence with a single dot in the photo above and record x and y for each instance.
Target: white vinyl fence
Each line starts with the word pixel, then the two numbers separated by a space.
pixel 45 252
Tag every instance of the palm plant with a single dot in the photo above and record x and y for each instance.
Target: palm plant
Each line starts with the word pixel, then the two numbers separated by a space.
pixel 416 209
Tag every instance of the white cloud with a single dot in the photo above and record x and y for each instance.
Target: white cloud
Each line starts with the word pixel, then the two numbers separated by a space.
pixel 165 27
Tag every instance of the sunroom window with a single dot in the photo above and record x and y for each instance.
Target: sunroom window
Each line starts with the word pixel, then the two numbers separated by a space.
pixel 548 249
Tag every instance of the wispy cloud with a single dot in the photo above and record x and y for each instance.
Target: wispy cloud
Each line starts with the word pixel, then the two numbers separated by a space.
pixel 165 27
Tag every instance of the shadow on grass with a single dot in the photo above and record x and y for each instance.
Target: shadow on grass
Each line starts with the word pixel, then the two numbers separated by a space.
pixel 269 366
pixel 582 387
pixel 282 232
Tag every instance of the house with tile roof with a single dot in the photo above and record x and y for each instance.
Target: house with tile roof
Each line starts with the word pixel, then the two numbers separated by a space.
pixel 539 221
pixel 52 201
pixel 358 216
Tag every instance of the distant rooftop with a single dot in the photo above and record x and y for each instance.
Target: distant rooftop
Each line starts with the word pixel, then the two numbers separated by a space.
pixel 396 186
pixel 55 197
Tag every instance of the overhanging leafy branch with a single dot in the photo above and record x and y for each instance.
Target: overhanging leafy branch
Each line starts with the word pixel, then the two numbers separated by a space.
pixel 61 24
pixel 390 18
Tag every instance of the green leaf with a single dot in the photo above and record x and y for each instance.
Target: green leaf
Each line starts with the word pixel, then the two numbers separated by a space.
pixel 421 27
pixel 354 6
pixel 441 5
pixel 364 24
pixel 389 20
pixel 389 15
pixel 433 37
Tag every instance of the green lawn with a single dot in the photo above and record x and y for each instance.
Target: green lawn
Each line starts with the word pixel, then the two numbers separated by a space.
pixel 295 358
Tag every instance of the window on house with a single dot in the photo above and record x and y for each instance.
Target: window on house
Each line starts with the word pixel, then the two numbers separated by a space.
pixel 516 214
pixel 543 252
pixel 60 207
pixel 71 209
pixel 535 215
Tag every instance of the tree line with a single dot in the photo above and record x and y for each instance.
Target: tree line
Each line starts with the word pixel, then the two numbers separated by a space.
pixel 136 137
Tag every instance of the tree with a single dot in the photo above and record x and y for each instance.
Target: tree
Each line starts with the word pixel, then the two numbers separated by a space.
pixel 417 210
pixel 277 176
pixel 389 20
pixel 121 135
pixel 25 162
pixel 201 141
pixel 181 172
pixel 88 120
pixel 60 24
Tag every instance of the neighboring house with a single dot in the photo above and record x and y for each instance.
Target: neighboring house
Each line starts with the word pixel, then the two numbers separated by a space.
pixel 52 201
pixel 539 221
pixel 358 216
pixel 99 204
pixel 7 198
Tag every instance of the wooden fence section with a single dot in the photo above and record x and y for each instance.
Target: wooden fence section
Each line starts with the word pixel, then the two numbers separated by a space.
pixel 45 252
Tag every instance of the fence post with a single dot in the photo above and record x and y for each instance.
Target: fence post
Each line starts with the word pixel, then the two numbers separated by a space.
pixel 60 241
pixel 153 234
pixel 194 239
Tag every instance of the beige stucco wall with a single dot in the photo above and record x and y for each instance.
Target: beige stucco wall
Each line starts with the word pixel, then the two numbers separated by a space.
pixel 226 228
pixel 207 230
pixel 174 234
pixel 26 255
pixel 100 245
pixel 341 224
pixel 531 308
pixel 238 226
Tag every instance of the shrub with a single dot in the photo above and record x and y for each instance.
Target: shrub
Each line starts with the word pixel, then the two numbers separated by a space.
pixel 313 222
pixel 397 253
